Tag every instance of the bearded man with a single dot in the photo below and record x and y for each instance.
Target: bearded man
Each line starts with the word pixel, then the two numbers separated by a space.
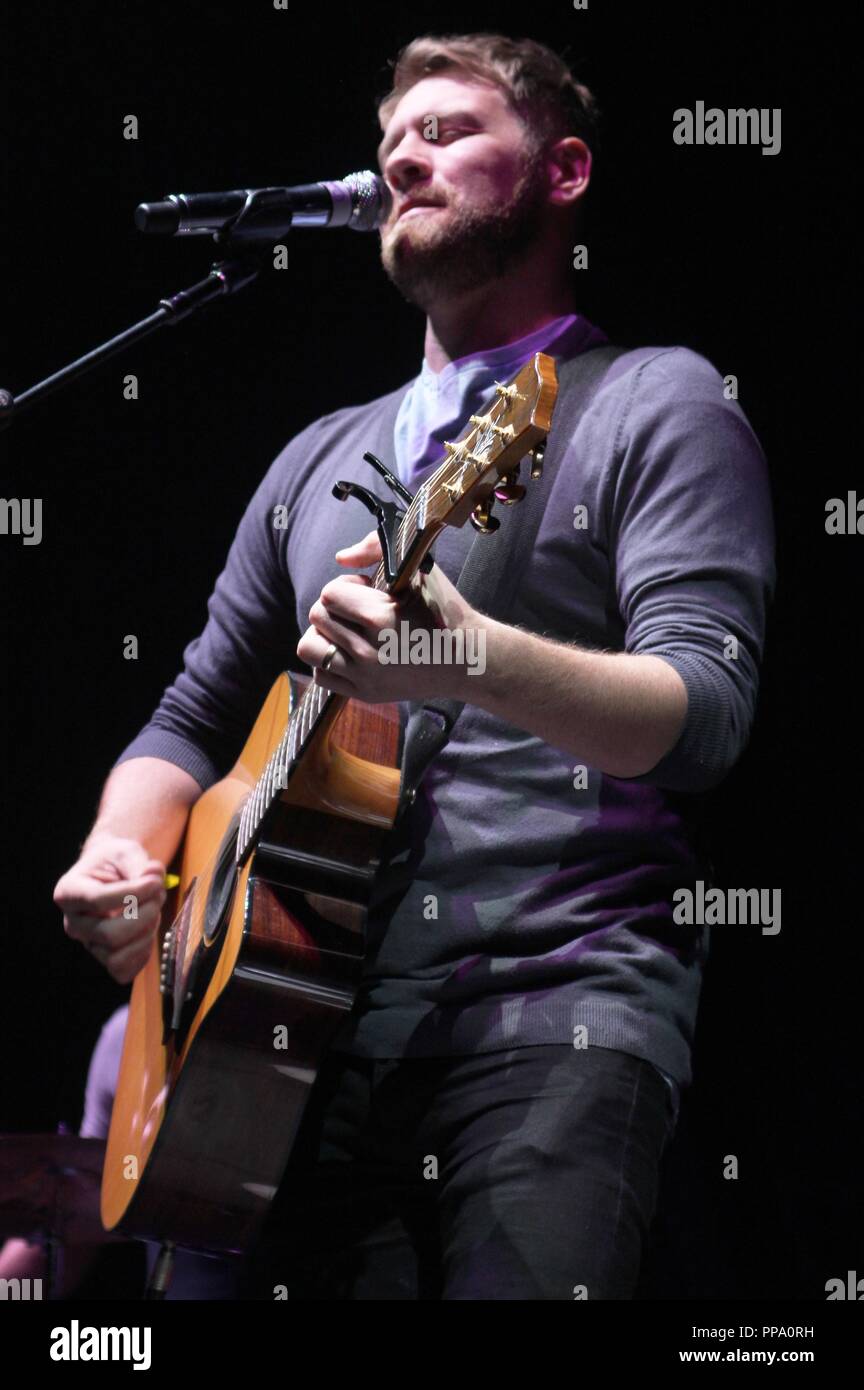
pixel 491 1119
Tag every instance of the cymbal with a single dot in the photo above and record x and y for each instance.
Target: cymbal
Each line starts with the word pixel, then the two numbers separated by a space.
pixel 50 1183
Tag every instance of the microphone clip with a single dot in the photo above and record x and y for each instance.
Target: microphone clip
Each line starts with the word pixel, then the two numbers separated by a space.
pixel 260 222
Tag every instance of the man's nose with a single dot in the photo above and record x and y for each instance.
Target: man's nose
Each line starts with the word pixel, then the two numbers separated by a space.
pixel 408 163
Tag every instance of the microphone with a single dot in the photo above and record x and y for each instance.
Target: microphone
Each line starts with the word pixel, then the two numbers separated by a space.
pixel 359 201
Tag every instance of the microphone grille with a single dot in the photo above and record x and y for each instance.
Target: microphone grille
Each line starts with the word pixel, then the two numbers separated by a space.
pixel 371 200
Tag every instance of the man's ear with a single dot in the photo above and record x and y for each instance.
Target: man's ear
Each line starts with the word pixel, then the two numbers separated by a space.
pixel 568 162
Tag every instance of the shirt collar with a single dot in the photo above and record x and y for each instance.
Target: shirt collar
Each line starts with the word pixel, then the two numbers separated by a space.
pixel 563 332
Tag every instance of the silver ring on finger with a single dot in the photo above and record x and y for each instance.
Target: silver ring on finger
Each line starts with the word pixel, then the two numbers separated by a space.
pixel 329 656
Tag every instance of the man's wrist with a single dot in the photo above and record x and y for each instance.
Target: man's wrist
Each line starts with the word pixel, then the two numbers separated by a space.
pixel 98 835
pixel 472 677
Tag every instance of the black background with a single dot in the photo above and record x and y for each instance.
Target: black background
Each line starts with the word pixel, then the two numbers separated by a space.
pixel 744 257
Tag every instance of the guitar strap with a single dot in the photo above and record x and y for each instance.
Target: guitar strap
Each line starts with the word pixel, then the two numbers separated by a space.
pixel 493 566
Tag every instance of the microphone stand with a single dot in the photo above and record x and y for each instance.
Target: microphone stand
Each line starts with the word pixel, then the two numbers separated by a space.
pixel 256 228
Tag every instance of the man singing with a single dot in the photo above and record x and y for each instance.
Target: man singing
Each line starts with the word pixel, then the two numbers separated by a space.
pixel 491 1119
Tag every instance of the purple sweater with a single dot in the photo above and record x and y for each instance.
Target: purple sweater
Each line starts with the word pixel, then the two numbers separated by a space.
pixel 513 908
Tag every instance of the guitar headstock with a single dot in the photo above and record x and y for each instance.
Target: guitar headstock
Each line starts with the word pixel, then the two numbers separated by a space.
pixel 485 461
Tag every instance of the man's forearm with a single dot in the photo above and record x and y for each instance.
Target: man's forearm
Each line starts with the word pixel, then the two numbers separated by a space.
pixel 148 800
pixel 614 711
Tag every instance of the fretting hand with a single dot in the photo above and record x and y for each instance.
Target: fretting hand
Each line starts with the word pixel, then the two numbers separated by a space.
pixel 355 618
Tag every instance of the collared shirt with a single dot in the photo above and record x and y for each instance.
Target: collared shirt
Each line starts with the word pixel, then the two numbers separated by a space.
pixel 437 405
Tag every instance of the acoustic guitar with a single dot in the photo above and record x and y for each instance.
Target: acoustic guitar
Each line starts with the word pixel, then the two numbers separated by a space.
pixel 261 960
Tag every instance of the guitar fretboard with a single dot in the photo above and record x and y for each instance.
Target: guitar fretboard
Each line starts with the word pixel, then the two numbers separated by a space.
pixel 310 709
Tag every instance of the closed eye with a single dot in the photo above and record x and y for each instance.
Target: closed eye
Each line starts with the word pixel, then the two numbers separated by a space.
pixel 451 133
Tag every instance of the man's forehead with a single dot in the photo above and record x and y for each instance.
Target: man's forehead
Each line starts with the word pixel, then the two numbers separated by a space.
pixel 432 94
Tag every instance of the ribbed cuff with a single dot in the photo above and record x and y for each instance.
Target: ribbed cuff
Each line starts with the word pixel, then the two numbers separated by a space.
pixel 154 742
pixel 702 756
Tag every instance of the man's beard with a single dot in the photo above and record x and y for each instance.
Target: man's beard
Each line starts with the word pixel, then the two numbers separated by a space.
pixel 477 245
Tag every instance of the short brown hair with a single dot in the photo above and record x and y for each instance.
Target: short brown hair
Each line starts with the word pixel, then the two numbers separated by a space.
pixel 538 84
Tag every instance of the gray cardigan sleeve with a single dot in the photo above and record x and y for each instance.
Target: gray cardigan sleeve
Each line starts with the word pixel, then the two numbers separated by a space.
pixel 692 536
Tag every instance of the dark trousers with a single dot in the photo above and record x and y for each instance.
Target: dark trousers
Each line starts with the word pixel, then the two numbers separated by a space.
pixel 525 1174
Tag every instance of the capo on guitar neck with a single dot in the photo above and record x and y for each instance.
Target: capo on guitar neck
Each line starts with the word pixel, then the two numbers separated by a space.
pixel 390 478
pixel 387 514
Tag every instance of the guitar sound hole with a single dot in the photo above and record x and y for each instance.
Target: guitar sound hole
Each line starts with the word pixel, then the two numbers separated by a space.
pixel 222 887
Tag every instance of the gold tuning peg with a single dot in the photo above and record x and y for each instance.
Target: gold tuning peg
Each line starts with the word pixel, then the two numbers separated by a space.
pixel 482 519
pixel 509 489
pixel 536 456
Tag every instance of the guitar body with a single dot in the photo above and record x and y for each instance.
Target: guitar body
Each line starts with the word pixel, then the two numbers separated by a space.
pixel 245 989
